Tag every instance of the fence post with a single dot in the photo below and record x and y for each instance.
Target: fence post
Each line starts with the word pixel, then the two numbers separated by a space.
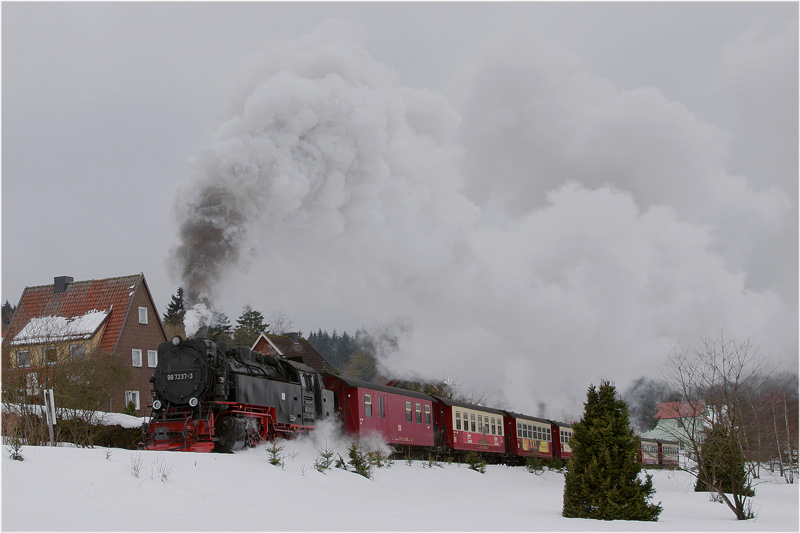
pixel 50 412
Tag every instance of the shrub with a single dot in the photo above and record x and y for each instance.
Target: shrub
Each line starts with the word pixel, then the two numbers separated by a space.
pixel 324 458
pixel 359 460
pixel 534 464
pixel 275 456
pixel 476 462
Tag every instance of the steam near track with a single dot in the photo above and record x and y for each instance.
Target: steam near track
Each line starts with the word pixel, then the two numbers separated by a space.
pixel 549 225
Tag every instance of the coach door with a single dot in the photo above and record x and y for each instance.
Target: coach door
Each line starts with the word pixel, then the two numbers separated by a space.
pixel 309 406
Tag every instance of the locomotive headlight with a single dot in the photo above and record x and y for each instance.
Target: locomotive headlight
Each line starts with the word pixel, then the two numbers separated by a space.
pixel 193 402
pixel 157 405
pixel 176 340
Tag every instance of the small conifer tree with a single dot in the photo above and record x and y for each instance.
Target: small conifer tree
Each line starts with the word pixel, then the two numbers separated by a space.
pixel 601 480
pixel 722 465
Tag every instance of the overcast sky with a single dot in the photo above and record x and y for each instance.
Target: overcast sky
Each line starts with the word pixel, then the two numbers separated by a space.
pixel 574 186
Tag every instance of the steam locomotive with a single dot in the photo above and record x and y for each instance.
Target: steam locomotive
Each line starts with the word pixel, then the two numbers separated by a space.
pixel 208 396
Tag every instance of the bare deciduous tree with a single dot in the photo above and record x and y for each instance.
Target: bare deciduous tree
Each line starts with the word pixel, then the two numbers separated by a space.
pixel 716 375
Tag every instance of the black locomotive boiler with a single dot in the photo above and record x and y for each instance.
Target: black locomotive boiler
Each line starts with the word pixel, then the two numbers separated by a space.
pixel 209 396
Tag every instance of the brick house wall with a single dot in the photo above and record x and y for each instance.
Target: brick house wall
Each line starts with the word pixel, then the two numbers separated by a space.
pixel 144 337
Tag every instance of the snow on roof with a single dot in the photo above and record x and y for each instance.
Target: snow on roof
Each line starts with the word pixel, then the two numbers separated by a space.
pixel 58 328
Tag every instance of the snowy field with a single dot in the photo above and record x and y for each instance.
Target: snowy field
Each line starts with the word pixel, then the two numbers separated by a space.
pixel 71 489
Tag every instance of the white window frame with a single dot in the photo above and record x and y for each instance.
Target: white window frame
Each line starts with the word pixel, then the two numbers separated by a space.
pixel 136 357
pixel 142 315
pixel 132 396
pixel 76 350
pixel 152 358
pixel 28 352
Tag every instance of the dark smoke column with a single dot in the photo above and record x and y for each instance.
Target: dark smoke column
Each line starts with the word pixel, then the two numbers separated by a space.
pixel 209 242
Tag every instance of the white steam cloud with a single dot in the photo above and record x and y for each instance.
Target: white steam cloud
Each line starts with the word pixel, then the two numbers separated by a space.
pixel 537 232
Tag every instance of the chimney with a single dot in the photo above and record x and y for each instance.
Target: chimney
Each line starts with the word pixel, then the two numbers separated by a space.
pixel 295 336
pixel 60 284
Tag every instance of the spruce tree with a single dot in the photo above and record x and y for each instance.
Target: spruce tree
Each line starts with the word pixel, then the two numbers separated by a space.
pixel 601 480
pixel 722 464
pixel 220 329
pixel 248 327
pixel 176 309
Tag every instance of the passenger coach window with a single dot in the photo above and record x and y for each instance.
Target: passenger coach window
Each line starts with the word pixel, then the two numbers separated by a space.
pixel 458 420
pixel 427 414
pixel 472 421
pixel 368 406
pixel 418 409
pixel 382 406
pixel 409 416
pixel 493 426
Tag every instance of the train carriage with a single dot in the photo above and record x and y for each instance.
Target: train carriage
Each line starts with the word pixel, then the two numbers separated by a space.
pixel 464 427
pixel 649 452
pixel 563 431
pixel 403 418
pixel 670 453
pixel 528 436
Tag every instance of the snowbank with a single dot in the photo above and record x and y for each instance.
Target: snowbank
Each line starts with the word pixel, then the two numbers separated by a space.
pixel 70 489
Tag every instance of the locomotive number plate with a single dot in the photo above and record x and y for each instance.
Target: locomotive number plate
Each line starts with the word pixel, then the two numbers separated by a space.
pixel 180 376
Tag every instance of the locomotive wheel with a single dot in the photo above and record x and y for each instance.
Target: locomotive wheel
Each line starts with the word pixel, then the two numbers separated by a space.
pixel 230 433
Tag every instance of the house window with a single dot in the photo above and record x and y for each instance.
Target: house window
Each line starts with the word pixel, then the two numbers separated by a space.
pixel 32 384
pixel 142 315
pixel 136 357
pixel 409 415
pixel 368 406
pixel 50 356
pixel 76 351
pixel 132 396
pixel 23 358
pixel 152 358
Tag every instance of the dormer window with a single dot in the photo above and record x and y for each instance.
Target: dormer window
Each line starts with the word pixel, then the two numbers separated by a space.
pixel 142 315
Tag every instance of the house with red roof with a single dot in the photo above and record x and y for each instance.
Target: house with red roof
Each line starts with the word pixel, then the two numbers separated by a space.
pixel 70 319
pixel 292 346
pixel 679 421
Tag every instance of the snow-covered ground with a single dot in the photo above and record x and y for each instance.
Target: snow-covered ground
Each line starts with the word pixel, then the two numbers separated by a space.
pixel 69 489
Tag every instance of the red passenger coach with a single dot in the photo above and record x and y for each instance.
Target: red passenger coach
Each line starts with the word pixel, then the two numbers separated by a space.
pixel 562 432
pixel 402 418
pixel 649 452
pixel 465 427
pixel 670 453
pixel 528 436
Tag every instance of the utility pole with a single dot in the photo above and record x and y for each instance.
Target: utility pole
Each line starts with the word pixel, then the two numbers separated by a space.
pixel 50 412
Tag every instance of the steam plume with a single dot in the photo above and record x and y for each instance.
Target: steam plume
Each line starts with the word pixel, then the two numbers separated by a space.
pixel 568 237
